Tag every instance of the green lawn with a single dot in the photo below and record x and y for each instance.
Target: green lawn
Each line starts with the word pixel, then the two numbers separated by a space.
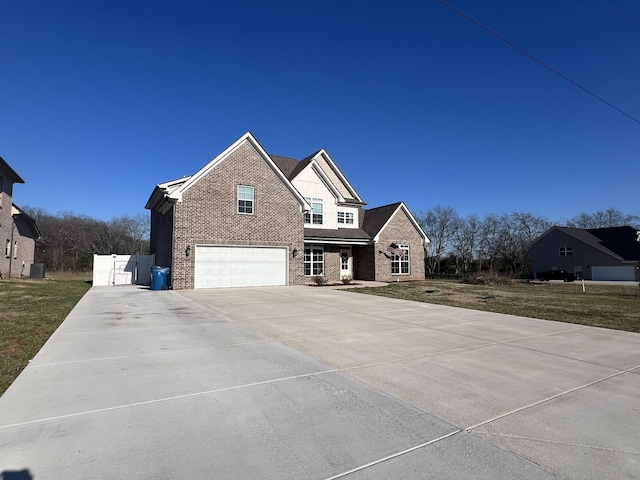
pixel 30 311
pixel 609 306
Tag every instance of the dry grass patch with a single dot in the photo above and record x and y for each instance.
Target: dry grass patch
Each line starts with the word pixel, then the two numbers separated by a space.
pixel 30 311
pixel 609 306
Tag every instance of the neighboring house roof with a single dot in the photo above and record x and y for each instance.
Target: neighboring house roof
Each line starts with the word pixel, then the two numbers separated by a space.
pixel 12 173
pixel 16 212
pixel 376 219
pixel 172 192
pixel 619 242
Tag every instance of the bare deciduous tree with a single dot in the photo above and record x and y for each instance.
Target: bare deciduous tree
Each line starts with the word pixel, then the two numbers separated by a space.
pixel 440 224
pixel 70 241
pixel 611 217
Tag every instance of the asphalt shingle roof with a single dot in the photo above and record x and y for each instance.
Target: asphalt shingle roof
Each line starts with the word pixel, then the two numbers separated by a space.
pixel 620 241
pixel 347 233
pixel 375 218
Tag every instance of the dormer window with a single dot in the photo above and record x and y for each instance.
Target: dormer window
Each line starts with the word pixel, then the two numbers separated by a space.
pixel 315 216
pixel 345 217
pixel 245 199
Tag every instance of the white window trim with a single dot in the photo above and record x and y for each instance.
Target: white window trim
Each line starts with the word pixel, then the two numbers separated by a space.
pixel 405 259
pixel 345 217
pixel 309 215
pixel 311 263
pixel 565 251
pixel 238 199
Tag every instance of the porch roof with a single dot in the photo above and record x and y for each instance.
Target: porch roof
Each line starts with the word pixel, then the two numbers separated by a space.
pixel 348 236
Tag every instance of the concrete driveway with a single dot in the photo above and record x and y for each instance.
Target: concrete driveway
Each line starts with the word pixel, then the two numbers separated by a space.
pixel 304 382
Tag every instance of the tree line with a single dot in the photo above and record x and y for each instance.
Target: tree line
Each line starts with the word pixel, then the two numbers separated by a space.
pixel 496 243
pixel 69 241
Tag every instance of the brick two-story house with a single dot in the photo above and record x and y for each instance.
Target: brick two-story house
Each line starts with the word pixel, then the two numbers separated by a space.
pixel 248 218
pixel 18 231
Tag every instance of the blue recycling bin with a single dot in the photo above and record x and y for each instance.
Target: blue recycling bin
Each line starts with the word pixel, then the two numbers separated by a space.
pixel 159 277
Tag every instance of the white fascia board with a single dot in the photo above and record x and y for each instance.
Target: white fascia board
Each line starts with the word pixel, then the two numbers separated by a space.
pixel 323 177
pixel 402 206
pixel 247 137
pixel 337 171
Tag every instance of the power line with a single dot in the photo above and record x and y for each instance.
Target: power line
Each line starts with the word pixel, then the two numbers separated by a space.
pixel 537 60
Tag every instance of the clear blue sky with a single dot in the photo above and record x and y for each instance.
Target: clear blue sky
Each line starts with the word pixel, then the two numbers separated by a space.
pixel 101 100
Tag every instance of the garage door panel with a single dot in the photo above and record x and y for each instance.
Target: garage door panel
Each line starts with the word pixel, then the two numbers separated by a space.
pixel 217 266
pixel 620 273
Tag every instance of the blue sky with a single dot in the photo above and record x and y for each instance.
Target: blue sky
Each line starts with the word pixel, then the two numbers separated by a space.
pixel 101 100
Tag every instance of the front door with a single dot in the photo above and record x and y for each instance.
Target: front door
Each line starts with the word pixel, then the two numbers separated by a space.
pixel 346 263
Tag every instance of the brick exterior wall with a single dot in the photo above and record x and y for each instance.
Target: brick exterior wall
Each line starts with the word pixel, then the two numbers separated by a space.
pixel 161 237
pixel 364 265
pixel 19 231
pixel 6 224
pixel 399 230
pixel 208 215
pixel 24 249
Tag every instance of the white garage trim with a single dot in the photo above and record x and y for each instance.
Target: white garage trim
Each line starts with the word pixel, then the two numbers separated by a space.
pixel 219 266
pixel 620 273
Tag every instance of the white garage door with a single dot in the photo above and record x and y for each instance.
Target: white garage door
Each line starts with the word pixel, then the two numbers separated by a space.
pixel 239 266
pixel 613 273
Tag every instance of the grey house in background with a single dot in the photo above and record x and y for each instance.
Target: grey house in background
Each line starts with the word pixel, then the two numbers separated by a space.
pixel 597 254
pixel 18 231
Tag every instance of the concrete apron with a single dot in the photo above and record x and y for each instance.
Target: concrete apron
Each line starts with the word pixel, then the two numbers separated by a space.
pixel 304 382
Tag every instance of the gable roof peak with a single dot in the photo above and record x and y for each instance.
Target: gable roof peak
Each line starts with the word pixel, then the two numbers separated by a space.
pixel 12 173
pixel 376 219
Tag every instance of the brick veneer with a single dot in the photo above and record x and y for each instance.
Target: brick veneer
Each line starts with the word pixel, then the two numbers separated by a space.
pixel 207 215
pixel 364 263
pixel 24 243
pixel 399 230
pixel 6 224
pixel 161 234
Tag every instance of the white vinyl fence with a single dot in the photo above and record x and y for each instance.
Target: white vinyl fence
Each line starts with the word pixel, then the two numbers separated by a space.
pixel 122 269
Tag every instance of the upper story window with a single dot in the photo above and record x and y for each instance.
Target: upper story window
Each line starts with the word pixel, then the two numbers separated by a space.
pixel 566 251
pixel 315 216
pixel 400 264
pixel 245 199
pixel 345 217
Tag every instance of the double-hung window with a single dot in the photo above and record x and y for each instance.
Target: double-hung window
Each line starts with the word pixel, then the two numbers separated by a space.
pixel 566 251
pixel 345 217
pixel 245 199
pixel 400 265
pixel 314 260
pixel 315 216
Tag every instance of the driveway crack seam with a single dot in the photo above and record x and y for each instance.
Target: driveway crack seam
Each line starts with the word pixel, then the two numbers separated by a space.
pixel 553 397
pixel 555 442
pixel 392 456
pixel 166 399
